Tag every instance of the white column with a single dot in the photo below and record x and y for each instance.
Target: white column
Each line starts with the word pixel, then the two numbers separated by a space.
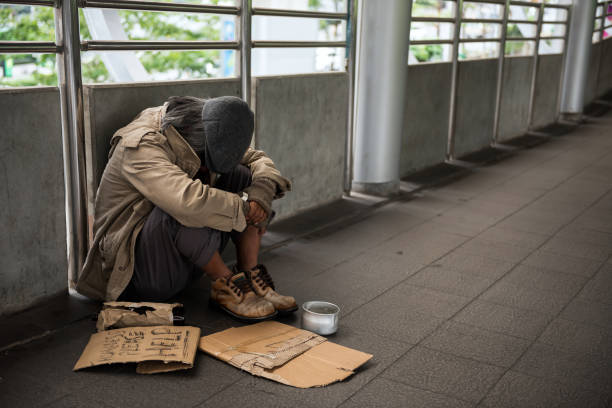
pixel 383 38
pixel 577 57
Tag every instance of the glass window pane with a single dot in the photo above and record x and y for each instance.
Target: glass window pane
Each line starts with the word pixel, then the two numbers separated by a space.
pixel 482 10
pixel 523 13
pixel 433 8
pixel 429 53
pixel 266 28
pixel 522 30
pixel 551 46
pixel 595 37
pixel 334 6
pixel 607 33
pixel 596 24
pixel 283 61
pixel 480 30
pixel 555 14
pixel 26 23
pixel 431 31
pixel 550 30
pixel 515 48
pixel 558 2
pixel 27 70
pixel 598 11
pixel 478 50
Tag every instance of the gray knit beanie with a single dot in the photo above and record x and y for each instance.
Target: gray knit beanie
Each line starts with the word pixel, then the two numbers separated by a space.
pixel 228 128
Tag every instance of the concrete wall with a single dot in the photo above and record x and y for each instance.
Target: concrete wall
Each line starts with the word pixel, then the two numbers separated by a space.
pixel 605 73
pixel 547 90
pixel 475 105
pixel 425 132
pixel 516 87
pixel 111 106
pixel 300 121
pixel 592 87
pixel 32 210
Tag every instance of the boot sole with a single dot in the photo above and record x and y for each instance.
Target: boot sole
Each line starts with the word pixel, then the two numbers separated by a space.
pixel 285 312
pixel 239 317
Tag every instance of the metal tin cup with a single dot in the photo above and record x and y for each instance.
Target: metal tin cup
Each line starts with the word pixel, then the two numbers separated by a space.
pixel 320 317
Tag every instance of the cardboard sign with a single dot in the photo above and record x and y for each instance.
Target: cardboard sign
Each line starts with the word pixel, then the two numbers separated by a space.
pixel 158 348
pixel 115 315
pixel 284 354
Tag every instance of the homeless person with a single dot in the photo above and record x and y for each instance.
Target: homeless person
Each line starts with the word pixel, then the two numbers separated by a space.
pixel 181 180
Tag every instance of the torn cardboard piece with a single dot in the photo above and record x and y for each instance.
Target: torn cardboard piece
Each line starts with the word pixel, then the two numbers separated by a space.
pixel 284 354
pixel 157 349
pixel 115 315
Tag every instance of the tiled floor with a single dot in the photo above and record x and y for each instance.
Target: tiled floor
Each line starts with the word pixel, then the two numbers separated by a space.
pixel 494 290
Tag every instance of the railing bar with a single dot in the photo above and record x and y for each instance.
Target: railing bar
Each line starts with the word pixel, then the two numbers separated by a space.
pixel 559 6
pixel 524 4
pixel 430 42
pixel 521 39
pixel 477 40
pixel 44 3
pixel 523 22
pixel 553 37
pixel 15 47
pixel 157 6
pixel 298 44
pixel 433 19
pixel 482 20
pixel 297 13
pixel 158 45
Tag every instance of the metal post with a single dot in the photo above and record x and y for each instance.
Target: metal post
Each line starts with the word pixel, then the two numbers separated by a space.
pixel 381 85
pixel 351 36
pixel 245 51
pixel 71 102
pixel 500 72
pixel 536 61
pixel 563 55
pixel 450 148
pixel 577 59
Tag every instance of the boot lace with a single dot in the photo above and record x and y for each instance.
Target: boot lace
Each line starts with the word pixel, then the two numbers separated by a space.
pixel 264 278
pixel 240 286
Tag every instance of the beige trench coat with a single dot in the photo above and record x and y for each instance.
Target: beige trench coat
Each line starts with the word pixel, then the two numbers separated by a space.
pixel 147 168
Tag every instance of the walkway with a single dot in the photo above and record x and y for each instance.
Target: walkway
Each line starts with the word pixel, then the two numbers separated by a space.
pixel 494 290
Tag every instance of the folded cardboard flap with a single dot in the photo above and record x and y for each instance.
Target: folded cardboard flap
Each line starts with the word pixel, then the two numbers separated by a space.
pixel 284 353
pixel 157 348
pixel 115 315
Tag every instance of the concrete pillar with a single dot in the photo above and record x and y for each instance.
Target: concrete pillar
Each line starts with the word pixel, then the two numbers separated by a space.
pixel 577 57
pixel 383 37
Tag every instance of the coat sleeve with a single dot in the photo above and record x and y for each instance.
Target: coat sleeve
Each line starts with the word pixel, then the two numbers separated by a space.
pixel 149 170
pixel 262 167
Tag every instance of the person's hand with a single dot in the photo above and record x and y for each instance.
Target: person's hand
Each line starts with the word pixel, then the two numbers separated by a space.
pixel 256 213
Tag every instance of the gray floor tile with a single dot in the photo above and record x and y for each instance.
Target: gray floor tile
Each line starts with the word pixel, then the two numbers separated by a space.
pixel 520 297
pixel 577 248
pixel 514 237
pixel 599 288
pixel 546 280
pixel 562 263
pixel 391 394
pixel 516 390
pixel 443 373
pixel 578 338
pixel 478 344
pixel 496 250
pixel 577 370
pixel 74 401
pixel 525 324
pixel 475 264
pixel 581 311
pixel 405 313
pixel 450 281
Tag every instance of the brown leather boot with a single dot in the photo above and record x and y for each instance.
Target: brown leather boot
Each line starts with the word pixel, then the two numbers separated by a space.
pixel 235 296
pixel 264 286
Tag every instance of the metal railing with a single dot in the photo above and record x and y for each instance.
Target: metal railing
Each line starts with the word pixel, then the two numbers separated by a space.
pixel 456 40
pixel 68 46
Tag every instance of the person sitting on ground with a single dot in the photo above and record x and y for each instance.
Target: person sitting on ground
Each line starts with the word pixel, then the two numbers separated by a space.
pixel 181 180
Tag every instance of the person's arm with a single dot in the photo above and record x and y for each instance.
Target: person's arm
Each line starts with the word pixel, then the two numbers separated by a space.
pixel 193 204
pixel 268 183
